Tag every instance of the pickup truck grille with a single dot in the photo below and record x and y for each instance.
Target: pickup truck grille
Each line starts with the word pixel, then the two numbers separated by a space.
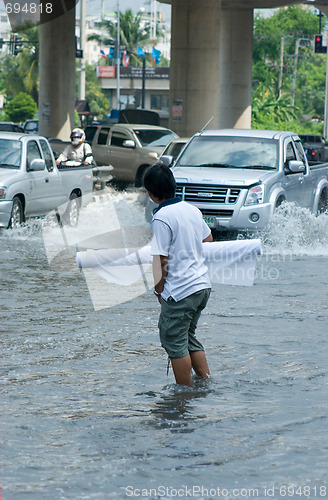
pixel 208 193
pixel 217 213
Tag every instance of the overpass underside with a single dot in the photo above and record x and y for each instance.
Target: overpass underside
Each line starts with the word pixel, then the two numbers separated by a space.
pixel 211 62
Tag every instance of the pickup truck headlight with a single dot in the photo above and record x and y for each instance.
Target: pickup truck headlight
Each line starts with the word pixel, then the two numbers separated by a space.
pixel 2 193
pixel 153 155
pixel 255 195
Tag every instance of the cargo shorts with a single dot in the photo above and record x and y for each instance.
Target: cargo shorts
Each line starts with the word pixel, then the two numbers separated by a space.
pixel 178 321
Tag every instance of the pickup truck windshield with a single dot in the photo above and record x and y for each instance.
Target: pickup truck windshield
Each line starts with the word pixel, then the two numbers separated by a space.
pixel 228 152
pixel 10 153
pixel 154 138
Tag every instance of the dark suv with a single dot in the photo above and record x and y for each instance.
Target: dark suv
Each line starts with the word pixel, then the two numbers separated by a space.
pixel 10 127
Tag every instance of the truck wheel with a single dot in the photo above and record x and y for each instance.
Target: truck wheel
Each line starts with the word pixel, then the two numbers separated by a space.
pixel 140 175
pixel 17 213
pixel 71 216
pixel 323 203
pixel 279 202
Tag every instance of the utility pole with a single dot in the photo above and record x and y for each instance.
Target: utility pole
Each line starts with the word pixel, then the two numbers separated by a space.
pixel 325 122
pixel 82 46
pixel 281 65
pixel 297 47
pixel 153 20
pixel 118 59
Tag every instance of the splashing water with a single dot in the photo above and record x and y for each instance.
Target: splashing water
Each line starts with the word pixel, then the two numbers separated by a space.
pixel 296 230
pixel 292 229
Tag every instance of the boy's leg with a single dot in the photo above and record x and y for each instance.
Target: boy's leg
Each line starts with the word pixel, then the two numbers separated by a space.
pixel 196 350
pixel 182 370
pixel 199 363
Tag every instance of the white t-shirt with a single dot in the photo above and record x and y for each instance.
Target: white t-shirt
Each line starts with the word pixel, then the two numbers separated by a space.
pixel 179 230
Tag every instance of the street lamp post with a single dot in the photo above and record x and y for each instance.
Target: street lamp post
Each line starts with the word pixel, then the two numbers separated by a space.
pixel 82 46
pixel 118 96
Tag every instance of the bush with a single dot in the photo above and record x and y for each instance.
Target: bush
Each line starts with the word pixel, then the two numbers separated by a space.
pixel 21 108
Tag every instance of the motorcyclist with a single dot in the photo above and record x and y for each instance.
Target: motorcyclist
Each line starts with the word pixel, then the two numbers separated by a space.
pixel 79 150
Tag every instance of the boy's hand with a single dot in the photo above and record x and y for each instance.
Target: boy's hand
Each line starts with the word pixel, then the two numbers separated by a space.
pixel 158 295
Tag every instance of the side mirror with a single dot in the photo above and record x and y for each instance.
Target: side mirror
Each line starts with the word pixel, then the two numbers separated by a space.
pixel 129 143
pixel 37 165
pixel 167 160
pixel 296 167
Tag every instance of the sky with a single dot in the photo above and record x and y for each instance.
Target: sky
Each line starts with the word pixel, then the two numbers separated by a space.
pixel 94 6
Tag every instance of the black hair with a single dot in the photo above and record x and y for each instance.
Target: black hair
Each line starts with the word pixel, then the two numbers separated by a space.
pixel 159 180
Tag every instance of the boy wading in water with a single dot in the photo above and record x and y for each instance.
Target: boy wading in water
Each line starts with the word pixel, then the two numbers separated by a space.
pixel 181 280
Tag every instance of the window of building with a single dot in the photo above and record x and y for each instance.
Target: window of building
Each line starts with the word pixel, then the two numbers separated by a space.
pixel 159 101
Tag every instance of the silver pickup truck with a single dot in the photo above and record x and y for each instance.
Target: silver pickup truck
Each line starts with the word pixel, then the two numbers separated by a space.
pixel 238 177
pixel 31 184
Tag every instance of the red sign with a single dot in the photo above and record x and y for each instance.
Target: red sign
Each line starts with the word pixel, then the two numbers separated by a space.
pixel 106 71
pixel 177 110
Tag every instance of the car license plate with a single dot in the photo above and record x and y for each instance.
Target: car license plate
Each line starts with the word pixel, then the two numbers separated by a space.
pixel 210 221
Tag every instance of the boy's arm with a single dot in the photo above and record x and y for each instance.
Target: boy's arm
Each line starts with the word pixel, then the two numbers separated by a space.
pixel 209 239
pixel 160 270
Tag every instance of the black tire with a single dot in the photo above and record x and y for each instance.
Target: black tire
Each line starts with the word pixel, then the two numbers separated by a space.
pixel 119 185
pixel 17 213
pixel 323 203
pixel 279 202
pixel 140 175
pixel 72 212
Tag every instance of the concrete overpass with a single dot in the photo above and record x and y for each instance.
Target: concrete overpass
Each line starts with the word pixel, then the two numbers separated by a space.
pixel 211 64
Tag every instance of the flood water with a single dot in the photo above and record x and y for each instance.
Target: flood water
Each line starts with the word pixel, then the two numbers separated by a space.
pixel 89 412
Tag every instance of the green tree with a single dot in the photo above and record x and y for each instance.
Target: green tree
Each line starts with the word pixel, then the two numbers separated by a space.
pixel 21 73
pixel 290 24
pixel 97 99
pixel 28 68
pixel 267 108
pixel 10 80
pixel 21 108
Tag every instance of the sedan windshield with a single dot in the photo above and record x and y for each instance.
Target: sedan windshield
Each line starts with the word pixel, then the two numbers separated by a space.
pixel 10 153
pixel 154 138
pixel 230 152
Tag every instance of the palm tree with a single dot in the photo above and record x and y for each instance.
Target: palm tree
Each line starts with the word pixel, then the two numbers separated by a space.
pixel 21 73
pixel 132 33
pixel 29 62
pixel 265 105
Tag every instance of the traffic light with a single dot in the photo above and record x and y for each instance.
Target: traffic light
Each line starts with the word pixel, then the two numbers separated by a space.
pixel 17 43
pixel 318 47
pixel 78 52
pixel 113 52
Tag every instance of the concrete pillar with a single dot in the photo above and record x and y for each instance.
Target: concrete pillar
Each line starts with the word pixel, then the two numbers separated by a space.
pixel 235 69
pixel 195 37
pixel 211 63
pixel 57 76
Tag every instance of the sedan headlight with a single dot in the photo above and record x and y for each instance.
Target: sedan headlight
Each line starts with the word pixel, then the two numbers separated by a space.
pixel 3 192
pixel 255 195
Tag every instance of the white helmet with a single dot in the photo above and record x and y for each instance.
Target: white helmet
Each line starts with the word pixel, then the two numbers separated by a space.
pixel 77 136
